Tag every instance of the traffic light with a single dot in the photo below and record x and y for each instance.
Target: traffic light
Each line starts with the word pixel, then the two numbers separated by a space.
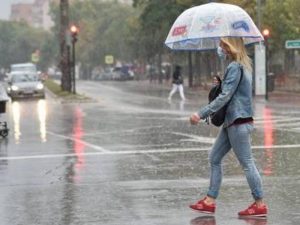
pixel 266 33
pixel 74 32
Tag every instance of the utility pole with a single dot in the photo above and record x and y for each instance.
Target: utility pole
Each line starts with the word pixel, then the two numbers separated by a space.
pixel 258 9
pixel 74 33
pixel 64 55
pixel 266 34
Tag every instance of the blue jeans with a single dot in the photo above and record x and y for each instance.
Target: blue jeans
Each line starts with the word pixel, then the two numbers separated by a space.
pixel 237 137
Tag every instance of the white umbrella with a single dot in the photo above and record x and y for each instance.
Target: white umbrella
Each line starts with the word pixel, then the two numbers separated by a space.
pixel 200 27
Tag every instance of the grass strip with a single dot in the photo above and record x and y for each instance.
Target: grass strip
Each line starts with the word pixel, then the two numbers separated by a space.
pixel 56 89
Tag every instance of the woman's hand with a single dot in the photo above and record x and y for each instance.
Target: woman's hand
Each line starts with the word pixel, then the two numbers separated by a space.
pixel 194 119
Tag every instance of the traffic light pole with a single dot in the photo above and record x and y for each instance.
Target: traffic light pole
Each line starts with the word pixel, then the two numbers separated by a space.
pixel 73 67
pixel 74 33
pixel 267 69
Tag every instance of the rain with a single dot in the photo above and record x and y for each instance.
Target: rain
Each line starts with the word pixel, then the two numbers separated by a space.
pixel 94 138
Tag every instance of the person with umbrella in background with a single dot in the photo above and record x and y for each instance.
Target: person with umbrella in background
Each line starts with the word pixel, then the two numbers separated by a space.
pixel 227 28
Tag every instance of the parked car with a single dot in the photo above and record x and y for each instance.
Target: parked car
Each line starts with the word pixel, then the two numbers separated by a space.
pixel 106 74
pixel 23 85
pixel 123 73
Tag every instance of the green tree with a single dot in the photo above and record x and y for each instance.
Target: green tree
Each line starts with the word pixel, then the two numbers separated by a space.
pixel 18 41
pixel 105 28
pixel 283 20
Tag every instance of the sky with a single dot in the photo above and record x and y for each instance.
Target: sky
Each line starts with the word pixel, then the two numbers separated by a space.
pixel 5 7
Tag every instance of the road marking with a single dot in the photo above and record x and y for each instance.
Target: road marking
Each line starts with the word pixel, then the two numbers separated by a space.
pixel 136 152
pixel 276 120
pixel 196 138
pixel 96 147
pixel 133 152
pixel 122 131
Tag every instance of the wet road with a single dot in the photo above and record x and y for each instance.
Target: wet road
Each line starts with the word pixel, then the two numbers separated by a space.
pixel 132 158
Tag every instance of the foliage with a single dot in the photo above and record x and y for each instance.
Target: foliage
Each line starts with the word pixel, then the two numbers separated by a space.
pixel 155 21
pixel 18 41
pixel 105 29
pixel 132 33
pixel 283 20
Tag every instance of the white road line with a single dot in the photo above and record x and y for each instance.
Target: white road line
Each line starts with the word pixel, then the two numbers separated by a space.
pixel 275 146
pixel 122 131
pixel 105 153
pixel 134 152
pixel 277 120
pixel 196 138
pixel 96 147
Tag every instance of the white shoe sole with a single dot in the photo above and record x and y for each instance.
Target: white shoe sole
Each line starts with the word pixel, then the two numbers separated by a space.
pixel 205 212
pixel 254 216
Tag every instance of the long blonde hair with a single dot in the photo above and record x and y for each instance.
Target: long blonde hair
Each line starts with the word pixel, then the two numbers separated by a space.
pixel 238 51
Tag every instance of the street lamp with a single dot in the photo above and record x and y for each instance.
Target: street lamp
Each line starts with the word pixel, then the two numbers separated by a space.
pixel 74 32
pixel 266 34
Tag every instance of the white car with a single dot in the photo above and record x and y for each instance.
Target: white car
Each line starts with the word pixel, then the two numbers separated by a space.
pixel 24 85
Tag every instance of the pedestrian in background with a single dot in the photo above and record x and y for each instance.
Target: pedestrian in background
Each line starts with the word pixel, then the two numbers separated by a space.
pixel 177 83
pixel 236 130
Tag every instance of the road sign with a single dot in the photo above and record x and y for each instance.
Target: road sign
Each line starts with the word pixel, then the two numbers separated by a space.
pixel 292 44
pixel 109 59
pixel 35 58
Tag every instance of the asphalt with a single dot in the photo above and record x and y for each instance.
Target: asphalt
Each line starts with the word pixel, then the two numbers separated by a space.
pixel 131 157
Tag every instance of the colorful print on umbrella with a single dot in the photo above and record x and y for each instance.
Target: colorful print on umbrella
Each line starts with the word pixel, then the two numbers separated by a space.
pixel 201 27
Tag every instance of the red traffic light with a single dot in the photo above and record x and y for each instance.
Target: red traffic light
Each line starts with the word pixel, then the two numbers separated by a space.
pixel 266 33
pixel 74 29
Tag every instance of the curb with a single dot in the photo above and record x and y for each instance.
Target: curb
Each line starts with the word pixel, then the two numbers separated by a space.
pixel 68 101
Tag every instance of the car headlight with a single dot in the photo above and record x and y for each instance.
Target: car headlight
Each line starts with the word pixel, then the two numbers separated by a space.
pixel 39 86
pixel 14 88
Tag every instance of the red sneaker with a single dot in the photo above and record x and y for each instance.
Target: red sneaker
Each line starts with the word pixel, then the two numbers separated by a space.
pixel 201 206
pixel 254 211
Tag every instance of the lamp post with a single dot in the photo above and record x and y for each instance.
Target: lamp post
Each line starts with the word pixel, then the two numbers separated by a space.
pixel 266 34
pixel 74 32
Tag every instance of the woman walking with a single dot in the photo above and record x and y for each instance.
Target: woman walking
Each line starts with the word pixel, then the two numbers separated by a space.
pixel 177 83
pixel 236 131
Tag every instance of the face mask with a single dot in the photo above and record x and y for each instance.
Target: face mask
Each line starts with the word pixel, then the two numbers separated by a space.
pixel 221 53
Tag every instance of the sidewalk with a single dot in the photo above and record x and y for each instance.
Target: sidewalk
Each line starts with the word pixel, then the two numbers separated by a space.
pixel 279 96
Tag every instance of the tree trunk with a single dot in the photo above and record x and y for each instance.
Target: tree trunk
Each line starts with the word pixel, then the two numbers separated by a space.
pixel 64 52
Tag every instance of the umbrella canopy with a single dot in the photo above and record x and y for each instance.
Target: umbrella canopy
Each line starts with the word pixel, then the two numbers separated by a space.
pixel 201 27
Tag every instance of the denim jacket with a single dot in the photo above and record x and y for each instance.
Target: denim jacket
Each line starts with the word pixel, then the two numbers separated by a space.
pixel 240 105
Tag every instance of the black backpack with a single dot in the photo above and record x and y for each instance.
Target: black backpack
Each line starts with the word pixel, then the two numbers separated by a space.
pixel 218 117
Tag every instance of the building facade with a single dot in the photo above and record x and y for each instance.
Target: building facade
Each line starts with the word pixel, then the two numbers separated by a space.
pixel 35 14
pixel 21 12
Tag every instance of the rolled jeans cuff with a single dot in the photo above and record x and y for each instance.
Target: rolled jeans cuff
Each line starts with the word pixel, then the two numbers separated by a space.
pixel 212 194
pixel 257 195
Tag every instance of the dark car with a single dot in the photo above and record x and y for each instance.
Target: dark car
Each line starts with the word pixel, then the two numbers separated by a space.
pixel 123 73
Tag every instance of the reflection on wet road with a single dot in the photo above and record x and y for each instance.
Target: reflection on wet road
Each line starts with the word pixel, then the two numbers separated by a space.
pixel 22 108
pixel 132 158
pixel 269 141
